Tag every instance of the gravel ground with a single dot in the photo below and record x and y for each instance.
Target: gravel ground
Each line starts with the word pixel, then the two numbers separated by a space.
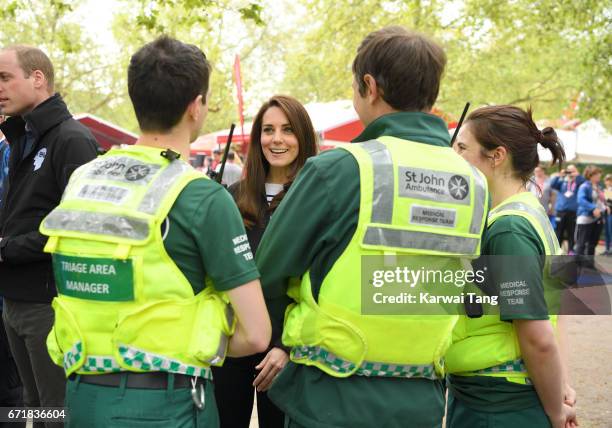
pixel 590 345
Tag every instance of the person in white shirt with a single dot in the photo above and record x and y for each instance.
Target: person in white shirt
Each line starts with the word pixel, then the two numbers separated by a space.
pixel 232 172
pixel 282 139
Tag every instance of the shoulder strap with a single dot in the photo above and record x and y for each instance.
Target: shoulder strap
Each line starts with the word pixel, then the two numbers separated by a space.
pixel 537 217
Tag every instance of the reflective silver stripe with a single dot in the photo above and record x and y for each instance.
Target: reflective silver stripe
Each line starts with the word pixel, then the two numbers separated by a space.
pixel 97 224
pixel 382 196
pixel 224 339
pixel 221 350
pixel 542 220
pixel 161 186
pixel 229 315
pixel 124 169
pixel 118 225
pixel 383 193
pixel 420 240
pixel 479 201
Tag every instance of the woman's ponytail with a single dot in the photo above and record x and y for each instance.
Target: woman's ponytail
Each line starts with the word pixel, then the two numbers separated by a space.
pixel 549 140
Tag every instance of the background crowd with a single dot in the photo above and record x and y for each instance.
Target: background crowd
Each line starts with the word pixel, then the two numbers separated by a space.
pixel 579 206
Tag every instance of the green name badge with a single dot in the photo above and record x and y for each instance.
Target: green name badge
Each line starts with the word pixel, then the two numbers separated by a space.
pixel 94 278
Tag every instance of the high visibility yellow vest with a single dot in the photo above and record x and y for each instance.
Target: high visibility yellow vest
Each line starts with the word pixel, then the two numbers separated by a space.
pixel 487 346
pixel 406 188
pixel 123 304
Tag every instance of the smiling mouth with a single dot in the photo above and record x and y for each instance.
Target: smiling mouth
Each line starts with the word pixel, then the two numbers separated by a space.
pixel 279 151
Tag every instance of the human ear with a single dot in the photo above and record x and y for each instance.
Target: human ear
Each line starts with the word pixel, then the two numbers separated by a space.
pixel 499 155
pixel 39 79
pixel 371 87
pixel 195 107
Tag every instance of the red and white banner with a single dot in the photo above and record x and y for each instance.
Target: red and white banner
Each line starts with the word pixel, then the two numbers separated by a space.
pixel 238 80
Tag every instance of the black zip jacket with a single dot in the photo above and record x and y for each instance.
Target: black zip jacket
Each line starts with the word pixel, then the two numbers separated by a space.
pixel 254 235
pixel 34 187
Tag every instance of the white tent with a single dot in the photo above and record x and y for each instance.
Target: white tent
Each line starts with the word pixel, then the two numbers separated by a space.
pixel 589 143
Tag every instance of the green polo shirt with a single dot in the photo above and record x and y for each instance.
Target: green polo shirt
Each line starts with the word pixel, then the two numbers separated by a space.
pixel 514 236
pixel 508 236
pixel 309 231
pixel 205 237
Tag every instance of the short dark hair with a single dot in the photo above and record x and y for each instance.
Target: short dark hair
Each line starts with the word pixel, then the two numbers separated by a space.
pixel 514 129
pixel 164 76
pixel 31 59
pixel 406 65
pixel 231 156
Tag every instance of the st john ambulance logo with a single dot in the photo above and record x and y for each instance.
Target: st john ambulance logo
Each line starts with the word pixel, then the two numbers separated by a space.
pixel 433 185
pixel 458 187
pixel 137 172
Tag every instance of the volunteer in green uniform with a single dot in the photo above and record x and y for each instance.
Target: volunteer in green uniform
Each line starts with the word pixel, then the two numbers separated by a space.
pixel 348 369
pixel 148 255
pixel 506 369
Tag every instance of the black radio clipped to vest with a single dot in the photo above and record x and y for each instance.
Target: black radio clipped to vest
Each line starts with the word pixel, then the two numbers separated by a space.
pixel 171 155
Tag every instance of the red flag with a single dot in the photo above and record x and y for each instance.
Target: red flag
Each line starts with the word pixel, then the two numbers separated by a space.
pixel 238 79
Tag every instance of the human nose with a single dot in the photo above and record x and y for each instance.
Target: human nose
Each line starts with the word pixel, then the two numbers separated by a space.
pixel 278 136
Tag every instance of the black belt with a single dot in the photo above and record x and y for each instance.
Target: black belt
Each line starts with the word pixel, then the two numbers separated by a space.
pixel 148 380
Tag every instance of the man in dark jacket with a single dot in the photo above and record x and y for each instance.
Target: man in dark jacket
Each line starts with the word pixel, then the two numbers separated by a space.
pixel 47 145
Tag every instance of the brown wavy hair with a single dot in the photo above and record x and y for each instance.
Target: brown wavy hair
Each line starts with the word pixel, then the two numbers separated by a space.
pixel 513 128
pixel 250 195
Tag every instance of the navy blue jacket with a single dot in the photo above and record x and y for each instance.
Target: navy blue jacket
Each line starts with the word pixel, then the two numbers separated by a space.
pixel 560 184
pixel 586 204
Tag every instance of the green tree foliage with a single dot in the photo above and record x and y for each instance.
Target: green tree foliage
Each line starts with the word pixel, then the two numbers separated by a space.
pixel 214 26
pixel 88 80
pixel 543 53
pixel 95 82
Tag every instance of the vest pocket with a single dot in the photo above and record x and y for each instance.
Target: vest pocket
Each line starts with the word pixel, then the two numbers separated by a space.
pixel 191 331
pixel 65 342
pixel 213 325
pixel 314 328
pixel 56 354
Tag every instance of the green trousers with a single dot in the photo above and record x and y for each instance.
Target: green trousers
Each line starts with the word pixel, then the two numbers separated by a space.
pixel 96 406
pixel 458 415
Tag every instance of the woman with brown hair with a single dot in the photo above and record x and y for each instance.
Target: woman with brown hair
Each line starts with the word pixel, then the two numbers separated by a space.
pixel 282 139
pixel 506 369
pixel 592 211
